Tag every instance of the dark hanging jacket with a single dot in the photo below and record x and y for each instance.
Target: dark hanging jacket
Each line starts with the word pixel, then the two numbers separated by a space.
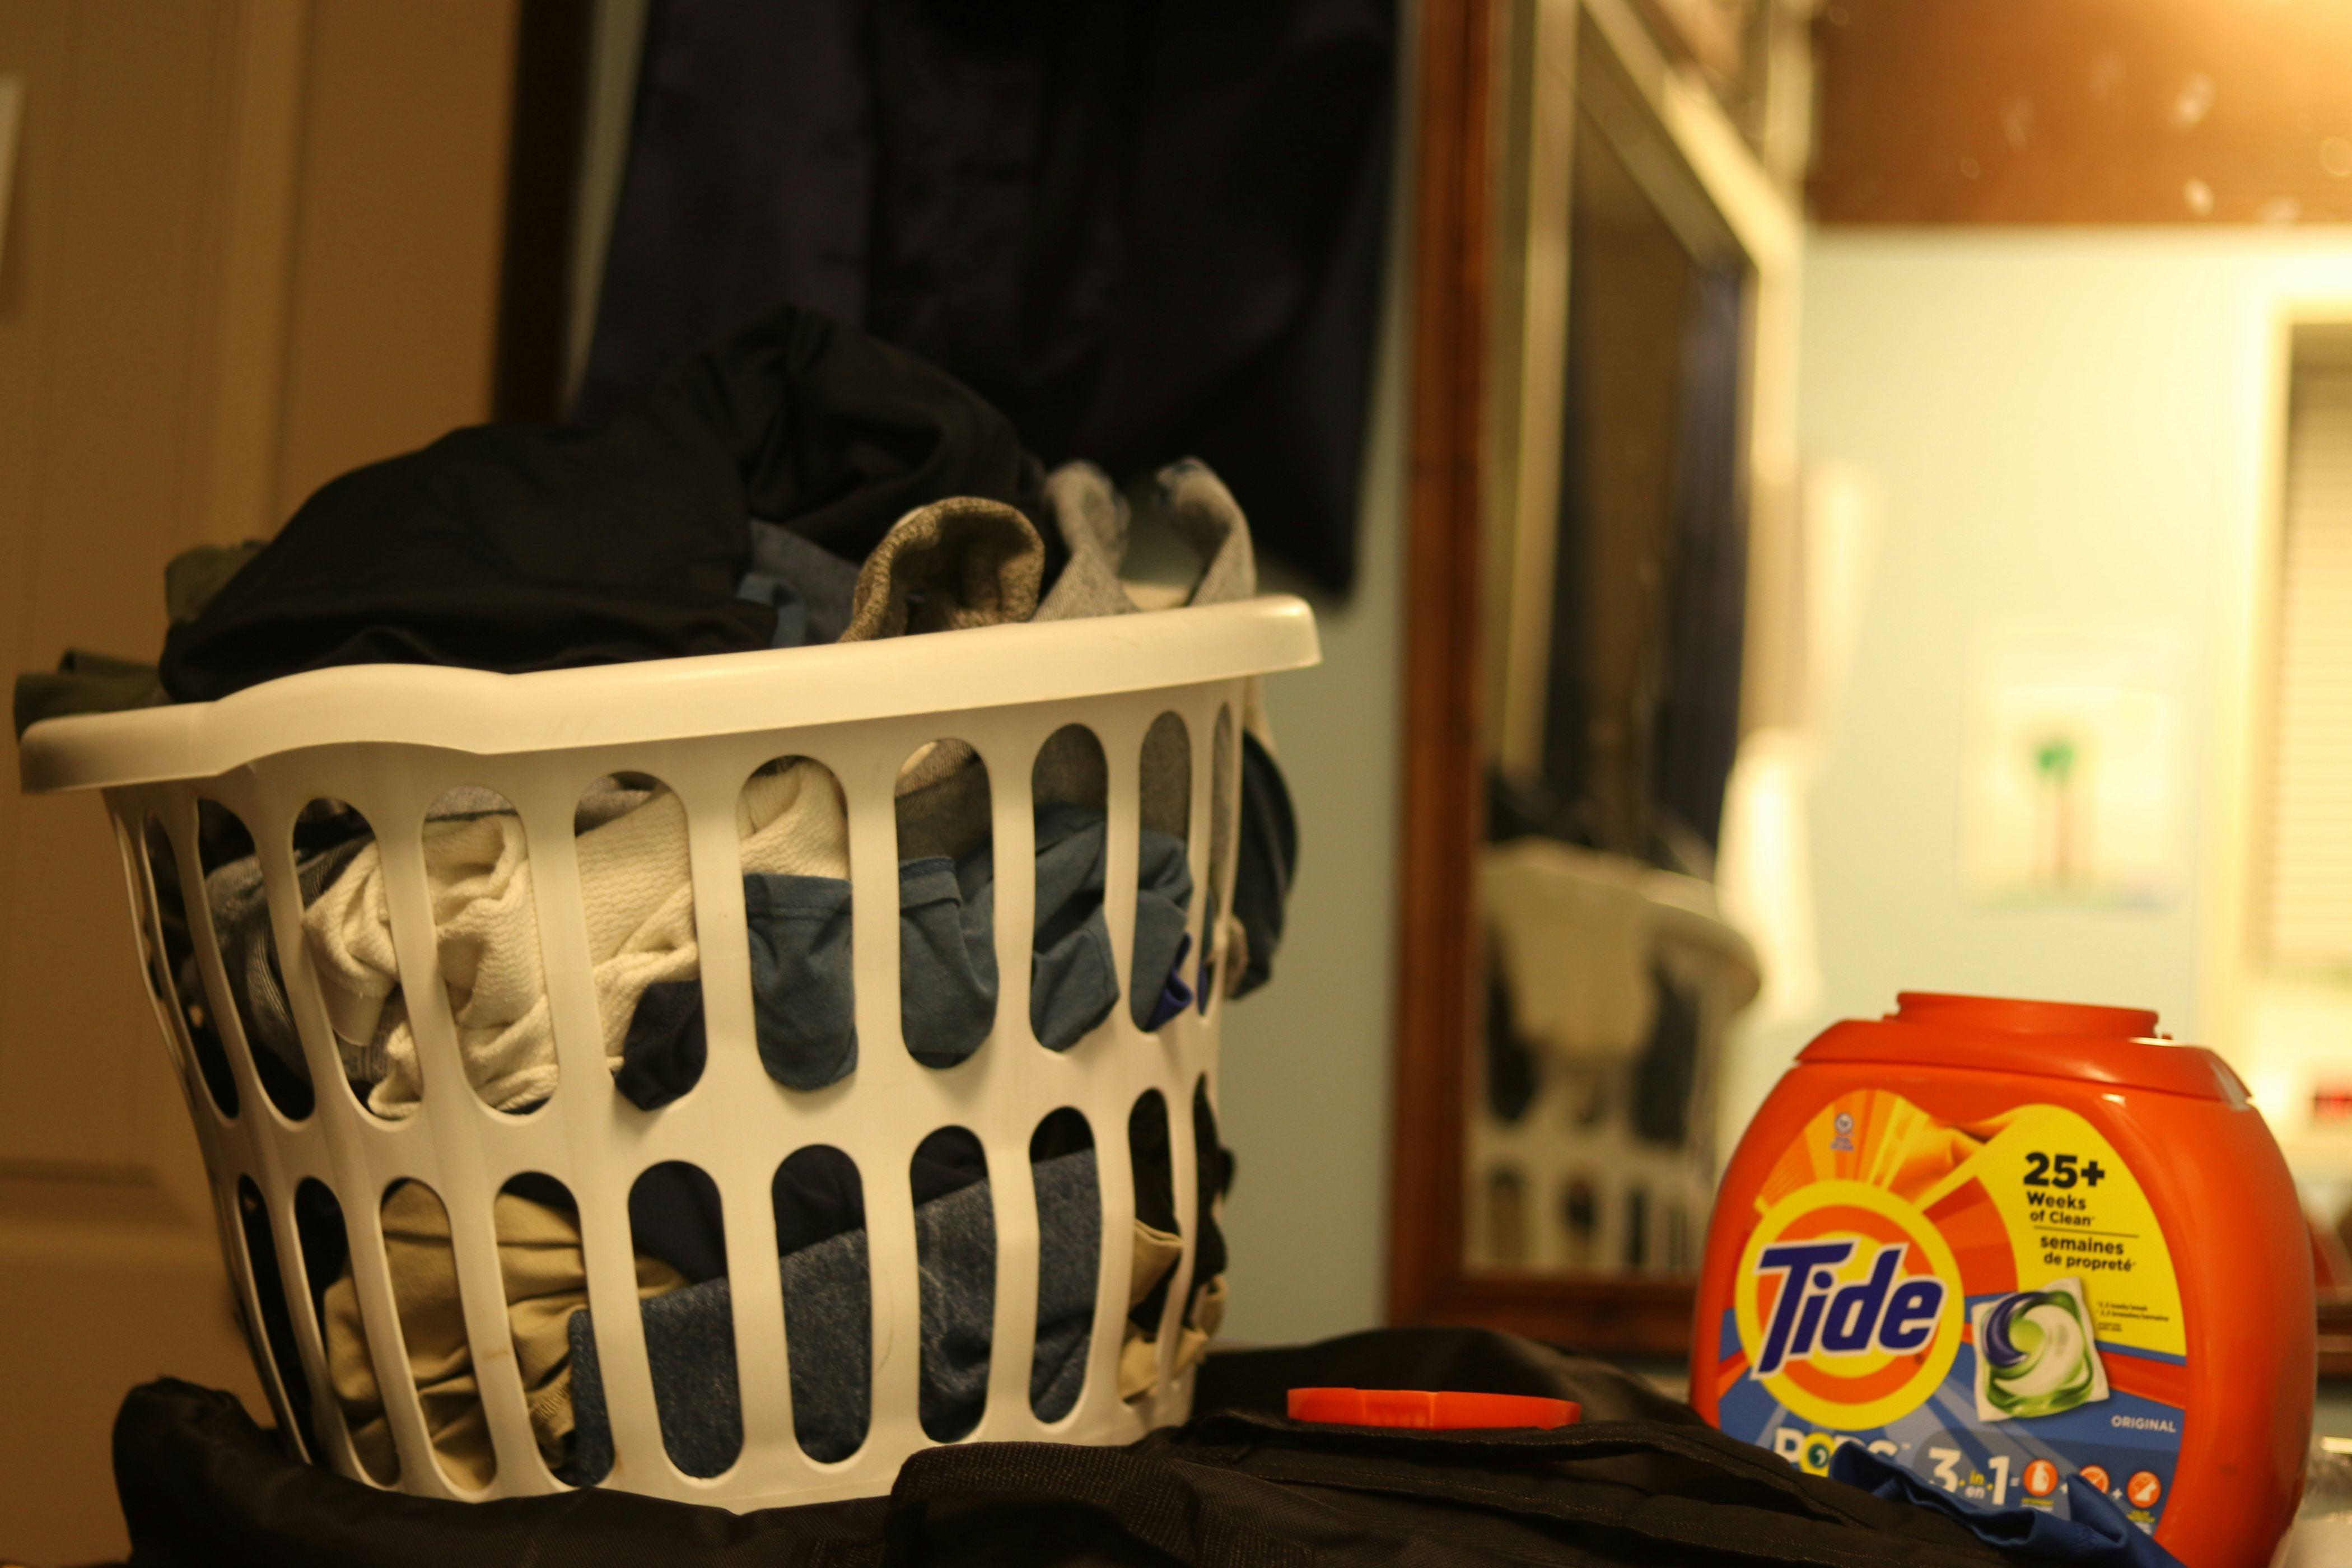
pixel 1146 229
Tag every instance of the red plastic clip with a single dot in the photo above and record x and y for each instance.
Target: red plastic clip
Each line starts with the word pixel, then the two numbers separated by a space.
pixel 1433 1410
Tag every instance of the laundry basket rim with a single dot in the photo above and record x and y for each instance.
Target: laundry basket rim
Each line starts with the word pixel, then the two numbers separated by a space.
pixel 492 714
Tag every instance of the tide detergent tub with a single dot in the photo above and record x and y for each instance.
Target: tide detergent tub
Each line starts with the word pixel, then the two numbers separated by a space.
pixel 2002 1243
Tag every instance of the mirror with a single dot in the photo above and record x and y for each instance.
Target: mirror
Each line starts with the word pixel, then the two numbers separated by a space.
pixel 1880 492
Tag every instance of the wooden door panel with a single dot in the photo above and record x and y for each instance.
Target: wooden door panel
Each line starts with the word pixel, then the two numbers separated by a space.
pixel 229 218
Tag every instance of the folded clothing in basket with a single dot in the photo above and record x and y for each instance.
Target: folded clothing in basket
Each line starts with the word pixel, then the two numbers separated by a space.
pixel 688 1326
pixel 951 564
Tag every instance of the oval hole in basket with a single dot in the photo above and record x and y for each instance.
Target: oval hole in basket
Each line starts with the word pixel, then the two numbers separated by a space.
pixel 1158 989
pixel 327 1265
pixel 1507 1217
pixel 955 1248
pixel 432 1318
pixel 675 1220
pixel 636 885
pixel 1073 977
pixel 182 983
pixel 1677 1228
pixel 131 839
pixel 1159 1240
pixel 794 841
pixel 248 955
pixel 276 1328
pixel 947 904
pixel 820 1205
pixel 1212 1173
pixel 543 1269
pixel 486 933
pixel 1580 1219
pixel 1225 811
pixel 1063 1174
pixel 336 866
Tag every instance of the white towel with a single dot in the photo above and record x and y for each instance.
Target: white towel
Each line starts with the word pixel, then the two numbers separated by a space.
pixel 637 900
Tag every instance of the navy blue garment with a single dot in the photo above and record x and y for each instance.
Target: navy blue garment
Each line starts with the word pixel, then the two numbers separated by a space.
pixel 1175 994
pixel 801 1005
pixel 946 933
pixel 2098 1535
pixel 663 1053
pixel 1142 229
pixel 947 957
pixel 1072 980
pixel 540 547
pixel 674 1215
pixel 1163 901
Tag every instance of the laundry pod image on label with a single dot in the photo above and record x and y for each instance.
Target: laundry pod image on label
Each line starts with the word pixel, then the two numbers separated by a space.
pixel 2036 1354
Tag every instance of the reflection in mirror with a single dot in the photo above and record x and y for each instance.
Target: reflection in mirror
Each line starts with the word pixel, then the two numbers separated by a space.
pixel 1614 641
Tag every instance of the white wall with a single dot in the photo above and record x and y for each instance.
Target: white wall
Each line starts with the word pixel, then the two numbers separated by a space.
pixel 1308 1060
pixel 2067 427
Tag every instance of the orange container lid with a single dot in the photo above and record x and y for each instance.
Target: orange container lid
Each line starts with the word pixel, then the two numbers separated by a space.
pixel 1431 1410
pixel 2116 1046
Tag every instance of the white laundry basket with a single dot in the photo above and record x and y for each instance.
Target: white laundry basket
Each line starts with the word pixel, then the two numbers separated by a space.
pixel 390 740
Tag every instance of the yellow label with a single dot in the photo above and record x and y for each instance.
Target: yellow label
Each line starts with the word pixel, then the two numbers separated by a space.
pixel 2073 1210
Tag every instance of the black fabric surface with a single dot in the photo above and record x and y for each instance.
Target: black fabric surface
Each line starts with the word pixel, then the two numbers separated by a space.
pixel 1213 1173
pixel 203 1486
pixel 818 1194
pixel 673 1215
pixel 1640 1482
pixel 531 547
pixel 662 1054
pixel 1145 229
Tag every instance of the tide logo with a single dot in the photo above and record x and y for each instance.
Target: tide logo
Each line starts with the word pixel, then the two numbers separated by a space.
pixel 1848 1304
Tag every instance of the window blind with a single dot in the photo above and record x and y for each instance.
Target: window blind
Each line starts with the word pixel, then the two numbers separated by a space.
pixel 2307 917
